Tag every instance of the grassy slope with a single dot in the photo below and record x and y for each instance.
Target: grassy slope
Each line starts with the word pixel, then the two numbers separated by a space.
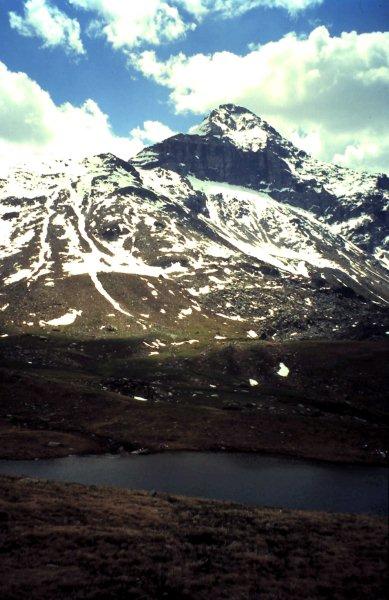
pixel 79 393
pixel 71 541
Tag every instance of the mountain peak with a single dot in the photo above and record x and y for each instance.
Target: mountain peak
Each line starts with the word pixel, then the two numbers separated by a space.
pixel 233 109
pixel 244 128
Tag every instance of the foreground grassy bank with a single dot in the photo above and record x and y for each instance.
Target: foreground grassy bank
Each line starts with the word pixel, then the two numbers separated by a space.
pixel 72 541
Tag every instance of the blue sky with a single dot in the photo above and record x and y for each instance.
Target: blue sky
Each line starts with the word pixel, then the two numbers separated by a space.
pixel 115 76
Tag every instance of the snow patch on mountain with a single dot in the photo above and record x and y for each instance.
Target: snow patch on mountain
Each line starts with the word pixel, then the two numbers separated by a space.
pixel 66 319
pixel 283 370
pixel 244 129
pixel 242 211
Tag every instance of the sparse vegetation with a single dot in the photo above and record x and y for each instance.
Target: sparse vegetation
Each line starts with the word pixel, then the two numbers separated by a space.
pixel 81 396
pixel 75 542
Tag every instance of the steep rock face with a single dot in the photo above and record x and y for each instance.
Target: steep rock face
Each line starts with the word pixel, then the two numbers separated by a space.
pixel 235 146
pixel 232 145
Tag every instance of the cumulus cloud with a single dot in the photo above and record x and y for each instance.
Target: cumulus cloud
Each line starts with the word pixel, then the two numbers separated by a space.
pixel 34 128
pixel 233 8
pixel 45 21
pixel 131 23
pixel 152 132
pixel 127 24
pixel 329 94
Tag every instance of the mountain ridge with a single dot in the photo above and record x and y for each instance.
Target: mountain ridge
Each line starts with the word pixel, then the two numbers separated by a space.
pixel 265 161
pixel 166 239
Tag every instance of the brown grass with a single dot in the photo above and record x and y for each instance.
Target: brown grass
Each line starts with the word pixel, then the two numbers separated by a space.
pixel 332 406
pixel 67 541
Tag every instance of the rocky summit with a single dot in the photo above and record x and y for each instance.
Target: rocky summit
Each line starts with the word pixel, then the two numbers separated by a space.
pixel 228 229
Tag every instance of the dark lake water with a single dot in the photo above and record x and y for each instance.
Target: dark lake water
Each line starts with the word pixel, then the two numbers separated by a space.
pixel 244 478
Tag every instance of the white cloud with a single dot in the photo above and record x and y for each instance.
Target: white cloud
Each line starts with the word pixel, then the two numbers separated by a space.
pixel 130 23
pixel 233 8
pixel 151 132
pixel 327 93
pixel 127 24
pixel 34 128
pixel 45 21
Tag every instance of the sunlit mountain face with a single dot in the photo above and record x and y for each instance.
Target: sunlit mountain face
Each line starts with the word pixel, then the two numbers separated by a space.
pixel 230 227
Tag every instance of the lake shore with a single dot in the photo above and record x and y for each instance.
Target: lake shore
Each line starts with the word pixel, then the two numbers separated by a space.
pixel 19 443
pixel 243 478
